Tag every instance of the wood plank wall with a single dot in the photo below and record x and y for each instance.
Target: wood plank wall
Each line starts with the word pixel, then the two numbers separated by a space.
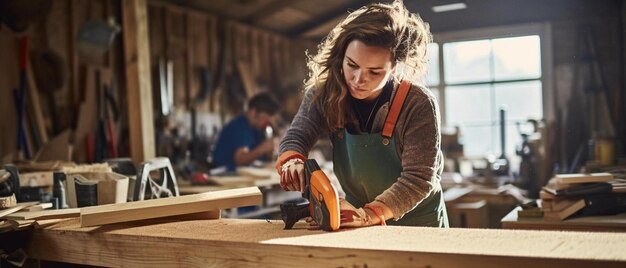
pixel 243 59
pixel 55 32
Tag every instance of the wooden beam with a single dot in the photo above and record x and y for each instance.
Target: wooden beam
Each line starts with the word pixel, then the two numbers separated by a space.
pixel 11 210
pixel 163 207
pixel 45 214
pixel 319 20
pixel 268 10
pixel 261 243
pixel 138 79
pixel 38 207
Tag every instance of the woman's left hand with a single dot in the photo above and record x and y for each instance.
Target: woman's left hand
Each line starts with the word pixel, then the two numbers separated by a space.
pixel 352 217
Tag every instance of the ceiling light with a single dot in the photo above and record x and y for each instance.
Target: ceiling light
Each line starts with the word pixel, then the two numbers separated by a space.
pixel 449 7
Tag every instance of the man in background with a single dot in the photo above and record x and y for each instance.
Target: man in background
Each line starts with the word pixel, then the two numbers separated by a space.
pixel 243 139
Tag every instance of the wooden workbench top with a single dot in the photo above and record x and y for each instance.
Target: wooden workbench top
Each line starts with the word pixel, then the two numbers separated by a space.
pixel 231 242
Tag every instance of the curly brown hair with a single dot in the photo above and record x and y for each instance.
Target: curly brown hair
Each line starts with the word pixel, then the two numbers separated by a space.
pixel 390 26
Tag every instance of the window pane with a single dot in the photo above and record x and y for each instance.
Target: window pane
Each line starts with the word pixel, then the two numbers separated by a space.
pixel 522 99
pixel 477 140
pixel 432 77
pixel 468 104
pixel 467 61
pixel 517 57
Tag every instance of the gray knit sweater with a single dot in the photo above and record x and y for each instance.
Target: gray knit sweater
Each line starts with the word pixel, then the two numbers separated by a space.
pixel 417 138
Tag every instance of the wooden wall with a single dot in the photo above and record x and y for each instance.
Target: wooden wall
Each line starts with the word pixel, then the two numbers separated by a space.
pixel 56 32
pixel 242 60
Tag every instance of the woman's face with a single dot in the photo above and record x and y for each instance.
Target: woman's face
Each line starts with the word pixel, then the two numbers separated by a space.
pixel 366 69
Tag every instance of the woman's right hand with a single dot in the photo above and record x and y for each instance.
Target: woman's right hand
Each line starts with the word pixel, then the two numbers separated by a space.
pixel 292 177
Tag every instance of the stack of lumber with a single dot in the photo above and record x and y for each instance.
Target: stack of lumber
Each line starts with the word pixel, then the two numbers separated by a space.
pixel 22 215
pixel 586 194
pixel 197 206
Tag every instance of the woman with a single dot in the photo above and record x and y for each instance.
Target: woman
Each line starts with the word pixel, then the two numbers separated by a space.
pixel 384 130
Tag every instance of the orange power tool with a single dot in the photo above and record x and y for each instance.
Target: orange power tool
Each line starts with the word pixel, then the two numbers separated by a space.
pixel 323 201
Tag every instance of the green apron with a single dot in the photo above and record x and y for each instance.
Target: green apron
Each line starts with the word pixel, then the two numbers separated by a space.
pixel 368 164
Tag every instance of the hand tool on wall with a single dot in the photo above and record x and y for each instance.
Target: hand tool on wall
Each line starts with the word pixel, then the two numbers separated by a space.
pixel 100 141
pixel 22 144
pixel 323 200
pixel 20 98
pixel 111 115
pixel 94 38
pixel 50 74
pixel 166 84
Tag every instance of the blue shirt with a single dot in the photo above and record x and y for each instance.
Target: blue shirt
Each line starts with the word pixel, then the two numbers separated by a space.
pixel 236 134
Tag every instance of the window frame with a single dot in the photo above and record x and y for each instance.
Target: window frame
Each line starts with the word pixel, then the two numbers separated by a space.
pixel 543 30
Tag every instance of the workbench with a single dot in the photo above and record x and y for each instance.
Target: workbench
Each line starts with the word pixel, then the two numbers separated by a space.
pixel 237 242
pixel 610 223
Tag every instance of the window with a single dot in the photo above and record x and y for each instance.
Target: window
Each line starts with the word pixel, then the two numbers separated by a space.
pixel 474 74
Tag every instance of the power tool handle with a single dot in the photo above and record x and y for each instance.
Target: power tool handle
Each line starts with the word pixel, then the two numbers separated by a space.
pixel 292 213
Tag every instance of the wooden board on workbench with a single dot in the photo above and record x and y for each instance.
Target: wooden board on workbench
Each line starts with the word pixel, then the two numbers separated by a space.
pixel 37 207
pixel 156 208
pixel 11 210
pixel 45 214
pixel 261 243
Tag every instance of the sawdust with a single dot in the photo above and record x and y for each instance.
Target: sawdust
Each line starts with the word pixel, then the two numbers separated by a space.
pixel 549 244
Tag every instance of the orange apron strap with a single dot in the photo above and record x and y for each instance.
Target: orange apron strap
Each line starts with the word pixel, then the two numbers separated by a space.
pixel 396 107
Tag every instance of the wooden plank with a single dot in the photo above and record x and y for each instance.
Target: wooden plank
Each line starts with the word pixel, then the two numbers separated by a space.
pixel 45 214
pixel 247 80
pixel 564 212
pixel 38 207
pixel 156 208
pixel 560 205
pixel 176 52
pixel 138 80
pixel 13 209
pixel 256 57
pixel 57 30
pixel 266 62
pixel 609 223
pixel 9 73
pixel 583 178
pixel 157 32
pixel 86 123
pixel 260 243
pixel 197 54
pixel 269 10
pixel 57 149
pixel 29 204
pixel 33 94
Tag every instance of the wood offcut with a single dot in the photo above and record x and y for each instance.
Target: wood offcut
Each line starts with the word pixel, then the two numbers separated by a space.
pixel 163 207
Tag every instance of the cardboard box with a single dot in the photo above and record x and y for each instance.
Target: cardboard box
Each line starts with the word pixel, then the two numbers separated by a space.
pixel 112 187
